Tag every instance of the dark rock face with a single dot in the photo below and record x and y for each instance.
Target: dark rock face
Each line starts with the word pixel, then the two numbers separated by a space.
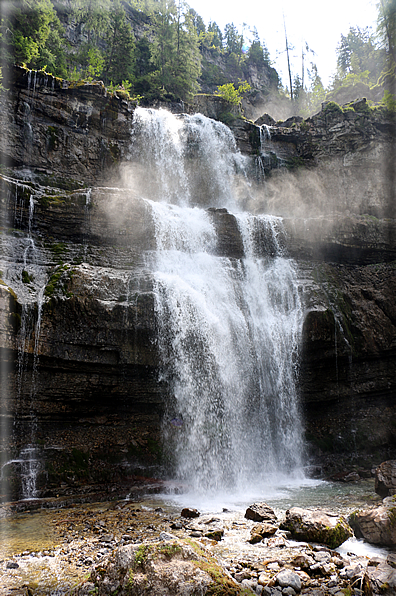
pixel 98 401
pixel 73 132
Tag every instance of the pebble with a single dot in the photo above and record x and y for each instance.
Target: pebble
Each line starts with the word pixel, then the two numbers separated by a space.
pixel 12 565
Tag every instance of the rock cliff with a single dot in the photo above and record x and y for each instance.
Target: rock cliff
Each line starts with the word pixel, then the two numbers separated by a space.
pixel 80 363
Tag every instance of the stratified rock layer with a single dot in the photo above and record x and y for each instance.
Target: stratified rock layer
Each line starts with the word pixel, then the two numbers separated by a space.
pixel 98 400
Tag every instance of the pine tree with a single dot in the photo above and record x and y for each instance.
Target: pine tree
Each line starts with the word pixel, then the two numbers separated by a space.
pixel 175 50
pixel 120 53
pixel 27 28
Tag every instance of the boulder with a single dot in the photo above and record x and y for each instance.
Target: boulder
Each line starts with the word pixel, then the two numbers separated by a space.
pixel 165 568
pixel 260 512
pixel 316 526
pixel 287 578
pixel 378 525
pixel 215 534
pixel 189 512
pixel 385 478
pixel 380 579
pixel 261 531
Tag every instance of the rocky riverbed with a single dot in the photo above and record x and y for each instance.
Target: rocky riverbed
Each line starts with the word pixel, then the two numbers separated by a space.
pixel 78 549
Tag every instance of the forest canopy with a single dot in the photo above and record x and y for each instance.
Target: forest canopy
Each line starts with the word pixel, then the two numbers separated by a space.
pixel 162 49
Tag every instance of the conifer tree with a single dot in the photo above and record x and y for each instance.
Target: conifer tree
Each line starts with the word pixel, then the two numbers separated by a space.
pixel 120 53
pixel 175 50
pixel 26 28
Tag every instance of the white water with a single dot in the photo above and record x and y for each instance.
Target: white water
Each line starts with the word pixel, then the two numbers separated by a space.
pixel 228 329
pixel 29 277
pixel 167 149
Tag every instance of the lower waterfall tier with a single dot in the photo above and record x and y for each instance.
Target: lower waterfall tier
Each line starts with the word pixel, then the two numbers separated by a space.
pixel 82 368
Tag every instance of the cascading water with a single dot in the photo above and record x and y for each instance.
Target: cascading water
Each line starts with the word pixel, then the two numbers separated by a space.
pixel 228 329
pixel 29 276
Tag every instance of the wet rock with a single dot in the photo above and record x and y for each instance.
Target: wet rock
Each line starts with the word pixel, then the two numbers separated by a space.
pixel 190 513
pixel 260 512
pixel 248 583
pixel 215 534
pixel 316 526
pixel 385 478
pixel 241 575
pixel 391 560
pixel 12 565
pixel 377 525
pixel 107 538
pixel 167 536
pixel 303 561
pixel 261 531
pixel 381 579
pixel 287 578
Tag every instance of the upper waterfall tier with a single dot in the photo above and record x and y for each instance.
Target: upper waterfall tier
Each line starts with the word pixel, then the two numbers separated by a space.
pixel 187 161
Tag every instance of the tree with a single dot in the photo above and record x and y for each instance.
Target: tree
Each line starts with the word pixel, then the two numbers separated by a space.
pixel 175 51
pixel 258 54
pixel 26 30
pixel 120 52
pixel 231 94
pixel 386 26
pixel 93 16
pixel 357 52
pixel 197 21
pixel 288 61
pixel 217 34
pixel 233 40
pixel 387 31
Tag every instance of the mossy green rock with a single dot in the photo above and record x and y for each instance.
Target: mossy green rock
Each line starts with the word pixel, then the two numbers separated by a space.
pixel 168 568
pixel 316 526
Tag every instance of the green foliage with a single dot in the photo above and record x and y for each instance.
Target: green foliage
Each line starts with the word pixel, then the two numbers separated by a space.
pixel 332 108
pixel 231 94
pixel 26 278
pixel 358 52
pixel 119 63
pixel 142 554
pixel 175 51
pixel 233 40
pixel 258 54
pixel 165 63
pixel 389 101
pixel 386 27
pixel 59 281
pixel 30 33
pixel 217 34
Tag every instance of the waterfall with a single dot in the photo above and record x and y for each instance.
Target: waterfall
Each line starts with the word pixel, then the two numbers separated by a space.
pixel 29 277
pixel 169 147
pixel 228 329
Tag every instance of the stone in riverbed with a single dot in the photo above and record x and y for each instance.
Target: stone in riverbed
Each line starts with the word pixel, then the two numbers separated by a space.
pixel 260 512
pixel 261 531
pixel 215 534
pixel 377 525
pixel 189 512
pixel 316 526
pixel 171 568
pixel 385 478
pixel 287 578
